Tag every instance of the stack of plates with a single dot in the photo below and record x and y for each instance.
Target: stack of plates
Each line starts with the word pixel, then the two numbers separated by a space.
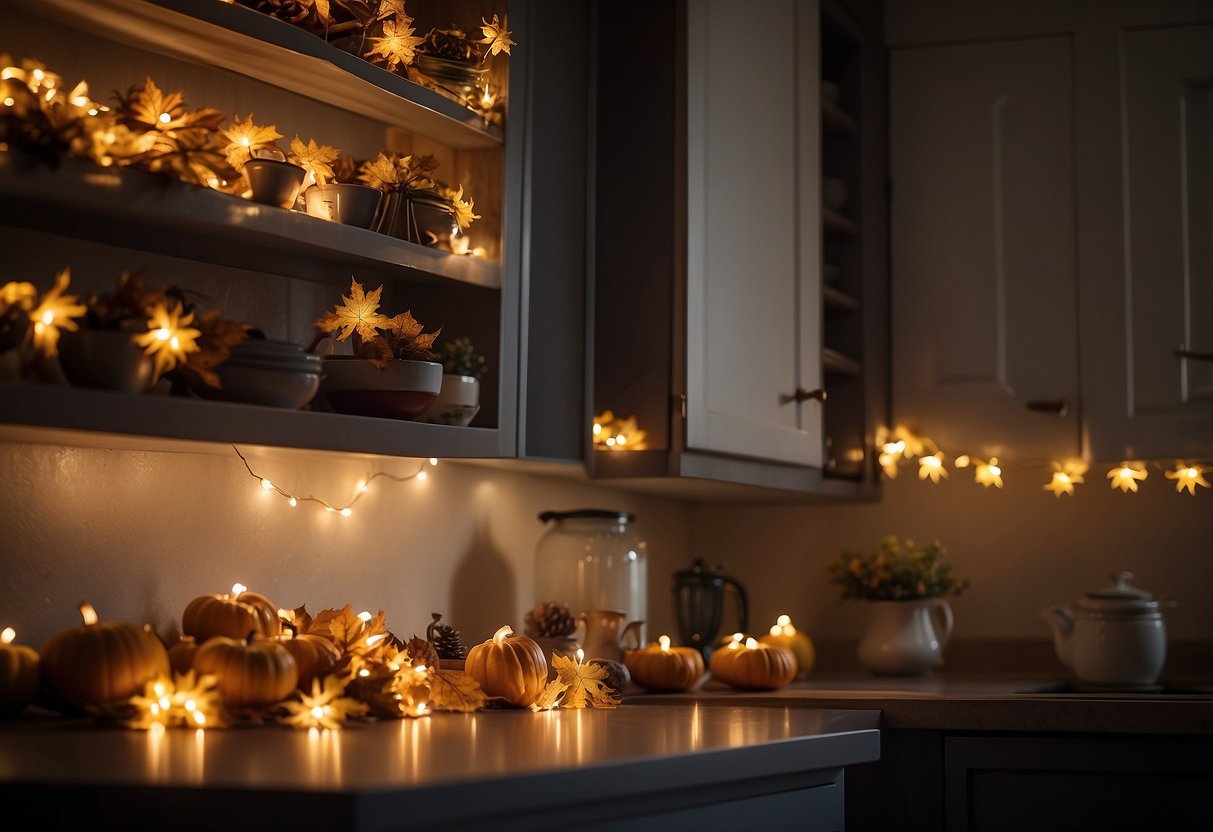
pixel 270 373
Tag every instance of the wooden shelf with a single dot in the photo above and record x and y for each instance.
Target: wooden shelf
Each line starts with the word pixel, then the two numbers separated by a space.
pixel 835 223
pixel 835 363
pixel 275 52
pixel 838 301
pixel 835 120
pixel 98 418
pixel 145 212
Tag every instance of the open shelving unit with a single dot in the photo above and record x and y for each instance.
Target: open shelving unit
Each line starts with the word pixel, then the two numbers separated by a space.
pixel 130 209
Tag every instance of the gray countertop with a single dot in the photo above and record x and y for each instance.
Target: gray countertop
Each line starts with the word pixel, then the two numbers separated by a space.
pixel 443 769
pixel 953 702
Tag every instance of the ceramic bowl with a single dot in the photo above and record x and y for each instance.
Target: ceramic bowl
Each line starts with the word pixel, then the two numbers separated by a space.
pixel 273 182
pixel 269 373
pixel 458 401
pixel 403 390
pixel 348 204
pixel 106 360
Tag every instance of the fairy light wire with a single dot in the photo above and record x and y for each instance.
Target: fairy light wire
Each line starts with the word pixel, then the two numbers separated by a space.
pixel 346 509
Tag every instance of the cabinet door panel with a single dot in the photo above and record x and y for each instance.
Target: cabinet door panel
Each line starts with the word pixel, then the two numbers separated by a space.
pixel 984 314
pixel 1168 100
pixel 742 220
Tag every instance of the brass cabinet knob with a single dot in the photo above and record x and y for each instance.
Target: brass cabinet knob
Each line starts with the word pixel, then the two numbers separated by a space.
pixel 802 395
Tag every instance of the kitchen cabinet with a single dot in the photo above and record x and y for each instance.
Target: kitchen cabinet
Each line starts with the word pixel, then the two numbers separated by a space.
pixel 708 235
pixel 272 259
pixel 985 353
pixel 1050 214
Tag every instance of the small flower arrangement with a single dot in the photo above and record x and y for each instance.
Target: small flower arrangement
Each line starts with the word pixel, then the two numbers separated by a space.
pixel 894 573
pixel 459 358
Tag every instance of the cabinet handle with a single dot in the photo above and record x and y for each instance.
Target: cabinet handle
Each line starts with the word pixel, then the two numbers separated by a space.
pixel 1054 407
pixel 802 395
pixel 1184 352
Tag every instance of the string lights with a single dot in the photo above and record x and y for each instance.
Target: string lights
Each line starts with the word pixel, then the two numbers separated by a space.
pixel 344 509
pixel 614 434
pixel 901 444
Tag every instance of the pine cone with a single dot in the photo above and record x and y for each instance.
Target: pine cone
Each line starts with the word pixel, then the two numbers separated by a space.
pixel 550 620
pixel 447 641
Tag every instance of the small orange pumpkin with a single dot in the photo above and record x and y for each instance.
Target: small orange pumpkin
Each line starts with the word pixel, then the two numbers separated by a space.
pixel 509 667
pixel 315 657
pixel 662 668
pixel 181 654
pixel 754 666
pixel 102 661
pixel 252 673
pixel 18 674
pixel 784 634
pixel 233 615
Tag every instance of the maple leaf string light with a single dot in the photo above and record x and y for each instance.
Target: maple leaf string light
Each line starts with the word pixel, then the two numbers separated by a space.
pixel 347 509
pixel 1188 477
pixel 1065 477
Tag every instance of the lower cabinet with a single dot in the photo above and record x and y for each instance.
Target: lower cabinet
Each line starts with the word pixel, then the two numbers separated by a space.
pixel 982 782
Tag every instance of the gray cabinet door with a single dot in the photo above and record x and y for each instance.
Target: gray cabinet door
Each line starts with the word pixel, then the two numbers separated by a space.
pixel 984 319
pixel 1155 387
pixel 753 232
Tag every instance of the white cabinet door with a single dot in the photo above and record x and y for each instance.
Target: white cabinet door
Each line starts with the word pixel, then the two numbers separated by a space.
pixel 983 298
pixel 752 230
pixel 1161 404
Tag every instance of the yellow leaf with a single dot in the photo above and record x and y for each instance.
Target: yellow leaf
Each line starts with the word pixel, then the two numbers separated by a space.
pixel 316 159
pixel 451 690
pixel 550 697
pixel 326 706
pixel 358 313
pixel 398 46
pixel 381 173
pixel 463 210
pixel 586 682
pixel 496 36
pixel 245 138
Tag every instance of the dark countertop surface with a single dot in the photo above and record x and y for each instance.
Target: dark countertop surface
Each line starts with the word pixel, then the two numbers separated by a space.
pixel 956 702
pixel 441 770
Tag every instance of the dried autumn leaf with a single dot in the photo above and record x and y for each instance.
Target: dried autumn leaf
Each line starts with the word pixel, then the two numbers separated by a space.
pixel 377 351
pixel 215 343
pixel 587 686
pixel 463 210
pixel 380 173
pixel 245 139
pixel 316 159
pixel 346 630
pixel 320 624
pixel 421 652
pixel 451 690
pixel 303 621
pixel 397 46
pixel 549 698
pixel 326 707
pixel 496 36
pixel 357 313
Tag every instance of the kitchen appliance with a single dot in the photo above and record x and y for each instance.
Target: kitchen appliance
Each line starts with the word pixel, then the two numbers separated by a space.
pixel 1114 637
pixel 593 560
pixel 699 602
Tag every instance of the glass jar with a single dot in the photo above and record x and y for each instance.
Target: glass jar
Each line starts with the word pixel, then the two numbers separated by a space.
pixel 593 560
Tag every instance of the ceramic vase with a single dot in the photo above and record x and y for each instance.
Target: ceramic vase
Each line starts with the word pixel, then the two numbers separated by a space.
pixel 905 638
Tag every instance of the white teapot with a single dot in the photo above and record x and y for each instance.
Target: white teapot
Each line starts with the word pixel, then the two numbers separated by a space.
pixel 1114 638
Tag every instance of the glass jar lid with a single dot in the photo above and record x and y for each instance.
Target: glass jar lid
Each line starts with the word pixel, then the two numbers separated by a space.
pixel 587 514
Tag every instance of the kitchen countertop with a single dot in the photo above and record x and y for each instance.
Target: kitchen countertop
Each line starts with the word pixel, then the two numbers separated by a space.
pixel 443 770
pixel 952 702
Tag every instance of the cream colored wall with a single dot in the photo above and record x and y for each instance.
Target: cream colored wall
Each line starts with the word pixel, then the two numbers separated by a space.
pixel 1022 548
pixel 139 534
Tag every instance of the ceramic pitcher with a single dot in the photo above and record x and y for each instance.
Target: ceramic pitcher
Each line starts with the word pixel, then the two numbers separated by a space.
pixel 905 638
pixel 603 637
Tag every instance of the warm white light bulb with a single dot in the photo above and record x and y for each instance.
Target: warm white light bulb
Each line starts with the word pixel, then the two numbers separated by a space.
pixel 433 461
pixel 165 118
pixel 292 502
pixel 345 512
pixel 664 641
pixel 421 475
pixel 266 484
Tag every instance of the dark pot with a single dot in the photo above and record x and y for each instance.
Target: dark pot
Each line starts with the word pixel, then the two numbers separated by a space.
pixel 106 359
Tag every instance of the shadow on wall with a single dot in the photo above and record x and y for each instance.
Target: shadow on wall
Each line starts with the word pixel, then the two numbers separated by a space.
pixel 478 613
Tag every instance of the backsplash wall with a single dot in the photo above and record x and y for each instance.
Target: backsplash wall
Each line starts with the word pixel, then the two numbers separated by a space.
pixel 139 534
pixel 1022 549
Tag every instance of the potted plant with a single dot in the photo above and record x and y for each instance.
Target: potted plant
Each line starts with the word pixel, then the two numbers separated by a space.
pixel 459 398
pixel 909 623
pixel 391 373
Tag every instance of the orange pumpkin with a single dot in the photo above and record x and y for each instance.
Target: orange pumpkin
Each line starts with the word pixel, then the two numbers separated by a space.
pixel 234 616
pixel 252 673
pixel 509 667
pixel 102 661
pixel 181 654
pixel 18 674
pixel 315 657
pixel 754 666
pixel 784 634
pixel 663 668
